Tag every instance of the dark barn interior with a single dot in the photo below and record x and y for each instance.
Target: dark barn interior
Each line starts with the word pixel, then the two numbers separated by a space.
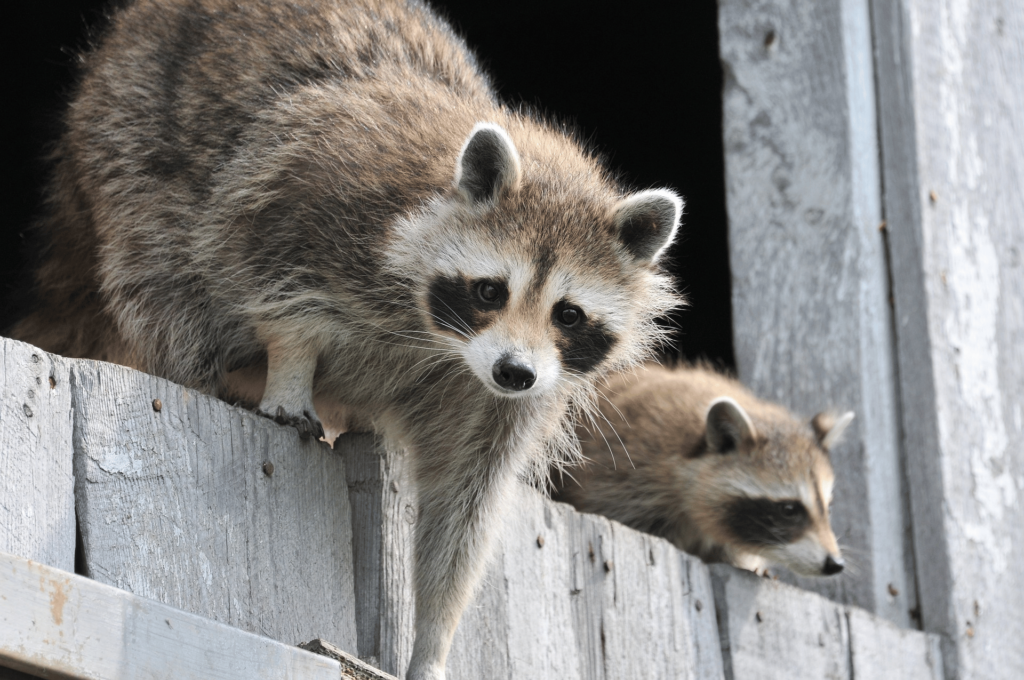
pixel 640 82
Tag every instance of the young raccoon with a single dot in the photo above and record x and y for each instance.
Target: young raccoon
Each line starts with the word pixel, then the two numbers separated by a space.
pixel 692 456
pixel 329 189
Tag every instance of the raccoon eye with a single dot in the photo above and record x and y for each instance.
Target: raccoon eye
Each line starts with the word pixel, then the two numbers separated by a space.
pixel 488 291
pixel 569 316
pixel 789 510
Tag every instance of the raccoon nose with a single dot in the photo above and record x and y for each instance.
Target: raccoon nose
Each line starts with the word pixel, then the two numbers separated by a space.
pixel 832 566
pixel 513 374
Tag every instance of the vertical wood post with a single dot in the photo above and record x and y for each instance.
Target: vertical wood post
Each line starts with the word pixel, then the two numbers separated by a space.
pixel 811 310
pixel 950 77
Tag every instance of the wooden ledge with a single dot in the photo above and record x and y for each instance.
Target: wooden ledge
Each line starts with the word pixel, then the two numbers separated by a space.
pixel 59 625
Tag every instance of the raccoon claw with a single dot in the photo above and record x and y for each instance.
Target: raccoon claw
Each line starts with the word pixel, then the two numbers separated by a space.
pixel 307 424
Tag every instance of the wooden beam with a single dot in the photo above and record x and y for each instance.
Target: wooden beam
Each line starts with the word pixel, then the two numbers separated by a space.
pixel 813 325
pixel 950 77
pixel 771 630
pixel 211 508
pixel 879 649
pixel 57 624
pixel 37 505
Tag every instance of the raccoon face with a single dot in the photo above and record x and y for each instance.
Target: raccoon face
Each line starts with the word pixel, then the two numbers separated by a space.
pixel 520 340
pixel 532 294
pixel 778 504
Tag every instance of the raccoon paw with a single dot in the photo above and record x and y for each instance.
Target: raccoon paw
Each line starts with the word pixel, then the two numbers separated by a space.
pixel 307 423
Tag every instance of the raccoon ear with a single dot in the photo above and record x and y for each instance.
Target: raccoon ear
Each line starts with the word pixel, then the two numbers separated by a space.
pixel 728 426
pixel 647 222
pixel 488 164
pixel 829 428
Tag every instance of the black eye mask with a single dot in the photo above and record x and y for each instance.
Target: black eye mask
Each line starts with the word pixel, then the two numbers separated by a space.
pixel 584 342
pixel 760 521
pixel 465 307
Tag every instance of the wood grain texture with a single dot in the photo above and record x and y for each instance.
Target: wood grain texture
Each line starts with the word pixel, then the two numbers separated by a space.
pixel 383 521
pixel 175 505
pixel 59 625
pixel 813 326
pixel 772 630
pixel 37 506
pixel 565 596
pixel 951 92
pixel 878 649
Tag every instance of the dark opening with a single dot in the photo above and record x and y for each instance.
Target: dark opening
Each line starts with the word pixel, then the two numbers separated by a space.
pixel 40 42
pixel 641 81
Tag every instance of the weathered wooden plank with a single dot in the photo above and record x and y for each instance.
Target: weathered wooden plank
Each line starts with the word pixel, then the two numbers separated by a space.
pixel 56 624
pixel 771 630
pixel 37 505
pixel 878 649
pixel 566 595
pixel 383 521
pixel 653 626
pixel 579 596
pixel 812 322
pixel 176 502
pixel 951 92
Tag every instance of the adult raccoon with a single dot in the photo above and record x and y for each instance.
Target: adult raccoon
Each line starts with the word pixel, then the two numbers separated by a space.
pixel 692 456
pixel 330 189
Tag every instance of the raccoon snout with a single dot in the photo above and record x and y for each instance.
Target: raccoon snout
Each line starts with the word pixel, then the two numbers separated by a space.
pixel 832 566
pixel 513 374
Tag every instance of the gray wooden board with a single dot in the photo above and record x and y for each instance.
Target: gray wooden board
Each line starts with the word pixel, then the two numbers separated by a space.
pixel 383 521
pixel 812 323
pixel 879 649
pixel 174 505
pixel 951 96
pixel 543 611
pixel 771 630
pixel 59 625
pixel 37 506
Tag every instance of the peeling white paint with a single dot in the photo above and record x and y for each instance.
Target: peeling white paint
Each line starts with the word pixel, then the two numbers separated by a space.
pixel 977 436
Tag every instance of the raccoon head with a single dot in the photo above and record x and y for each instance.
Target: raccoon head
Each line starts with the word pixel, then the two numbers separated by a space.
pixel 535 277
pixel 775 504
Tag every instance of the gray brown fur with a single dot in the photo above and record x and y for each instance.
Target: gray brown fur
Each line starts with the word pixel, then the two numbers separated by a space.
pixel 280 200
pixel 691 455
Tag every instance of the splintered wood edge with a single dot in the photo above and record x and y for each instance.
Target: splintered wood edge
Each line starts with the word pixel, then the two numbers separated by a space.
pixel 352 668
